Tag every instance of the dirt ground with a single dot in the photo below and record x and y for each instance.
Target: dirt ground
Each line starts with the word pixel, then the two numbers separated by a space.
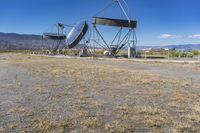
pixel 57 95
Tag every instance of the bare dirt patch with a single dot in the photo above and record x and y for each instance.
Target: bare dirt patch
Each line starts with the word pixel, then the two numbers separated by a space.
pixel 41 94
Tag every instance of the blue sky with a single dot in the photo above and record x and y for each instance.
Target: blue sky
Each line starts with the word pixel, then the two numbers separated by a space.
pixel 160 22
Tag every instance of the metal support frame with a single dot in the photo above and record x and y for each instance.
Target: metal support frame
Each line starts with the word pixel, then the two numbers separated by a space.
pixel 101 36
pixel 118 33
pixel 121 41
pixel 123 10
pixel 126 40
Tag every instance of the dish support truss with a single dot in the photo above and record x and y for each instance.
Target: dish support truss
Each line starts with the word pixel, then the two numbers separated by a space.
pixel 126 36
pixel 123 40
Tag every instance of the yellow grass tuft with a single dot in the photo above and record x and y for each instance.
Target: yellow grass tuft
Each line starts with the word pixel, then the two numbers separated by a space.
pixel 119 127
pixel 90 122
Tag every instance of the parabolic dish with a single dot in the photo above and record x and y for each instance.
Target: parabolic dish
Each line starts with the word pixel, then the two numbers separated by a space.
pixel 76 34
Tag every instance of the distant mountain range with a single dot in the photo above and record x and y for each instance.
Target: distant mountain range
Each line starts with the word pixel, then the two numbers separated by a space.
pixel 13 41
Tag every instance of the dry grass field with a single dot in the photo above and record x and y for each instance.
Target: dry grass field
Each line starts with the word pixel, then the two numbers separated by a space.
pixel 57 95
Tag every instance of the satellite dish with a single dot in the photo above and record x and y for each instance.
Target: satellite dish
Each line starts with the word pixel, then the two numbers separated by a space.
pixel 58 39
pixel 76 34
pixel 57 34
pixel 54 38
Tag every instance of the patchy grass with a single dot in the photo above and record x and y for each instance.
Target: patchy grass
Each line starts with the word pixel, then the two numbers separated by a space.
pixel 90 122
pixel 85 95
pixel 44 125
pixel 119 127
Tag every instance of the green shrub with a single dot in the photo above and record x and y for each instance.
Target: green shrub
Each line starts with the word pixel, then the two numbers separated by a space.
pixel 195 52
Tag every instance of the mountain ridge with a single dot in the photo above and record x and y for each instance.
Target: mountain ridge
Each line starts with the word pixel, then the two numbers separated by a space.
pixel 15 41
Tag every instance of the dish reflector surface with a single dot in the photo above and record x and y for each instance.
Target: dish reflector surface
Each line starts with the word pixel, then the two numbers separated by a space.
pixel 76 34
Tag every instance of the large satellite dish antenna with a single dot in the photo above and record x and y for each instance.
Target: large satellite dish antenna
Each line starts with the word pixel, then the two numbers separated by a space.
pixel 54 37
pixel 59 39
pixel 126 26
pixel 76 34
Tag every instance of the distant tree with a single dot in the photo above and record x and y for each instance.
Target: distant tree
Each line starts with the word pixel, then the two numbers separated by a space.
pixel 174 53
pixel 195 52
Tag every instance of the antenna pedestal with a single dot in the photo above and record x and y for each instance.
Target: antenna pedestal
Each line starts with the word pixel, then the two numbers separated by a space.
pixel 84 52
pixel 131 52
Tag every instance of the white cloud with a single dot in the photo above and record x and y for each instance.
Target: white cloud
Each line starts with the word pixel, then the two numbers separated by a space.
pixel 195 36
pixel 169 36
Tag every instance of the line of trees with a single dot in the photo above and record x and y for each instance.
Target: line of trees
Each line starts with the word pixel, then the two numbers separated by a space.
pixel 178 53
pixel 171 53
